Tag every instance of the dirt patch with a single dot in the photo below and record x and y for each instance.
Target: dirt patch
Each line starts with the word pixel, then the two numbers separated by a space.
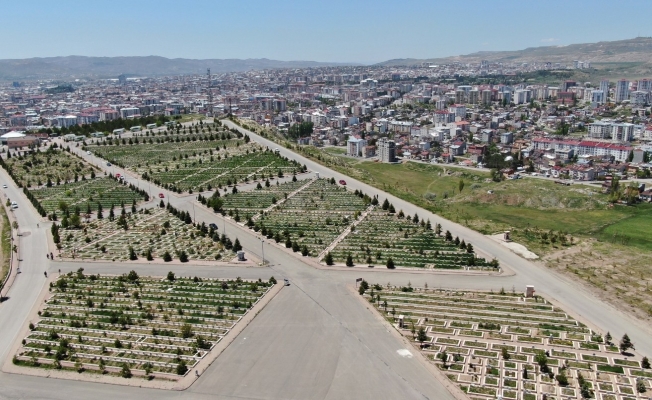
pixel 515 247
pixel 616 274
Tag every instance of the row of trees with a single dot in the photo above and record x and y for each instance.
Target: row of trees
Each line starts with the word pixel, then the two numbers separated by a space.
pixel 107 126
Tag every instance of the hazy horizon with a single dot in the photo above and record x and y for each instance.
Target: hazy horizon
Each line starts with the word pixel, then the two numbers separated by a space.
pixel 365 32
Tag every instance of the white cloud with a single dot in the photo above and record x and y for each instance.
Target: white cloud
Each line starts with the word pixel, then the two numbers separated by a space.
pixel 549 40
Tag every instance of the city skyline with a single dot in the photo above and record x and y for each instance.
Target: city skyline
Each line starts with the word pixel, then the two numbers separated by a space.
pixel 327 32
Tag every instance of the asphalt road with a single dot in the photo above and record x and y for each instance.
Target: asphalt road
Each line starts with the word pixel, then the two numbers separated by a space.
pixel 315 340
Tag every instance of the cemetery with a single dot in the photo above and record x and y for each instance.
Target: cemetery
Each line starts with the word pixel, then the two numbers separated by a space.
pixel 133 326
pixel 305 216
pixel 407 242
pixel 195 162
pixel 317 215
pixel 36 168
pixel 87 194
pixel 512 345
pixel 147 234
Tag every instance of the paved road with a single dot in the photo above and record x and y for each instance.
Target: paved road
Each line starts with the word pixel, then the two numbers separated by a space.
pixel 316 340
pixel 569 293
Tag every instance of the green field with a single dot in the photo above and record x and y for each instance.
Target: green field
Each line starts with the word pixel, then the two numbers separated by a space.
pixel 529 207
pixel 5 244
pixel 633 230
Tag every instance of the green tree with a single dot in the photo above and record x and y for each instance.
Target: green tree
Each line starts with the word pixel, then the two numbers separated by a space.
pixel 349 260
pixel 390 263
pixel 460 185
pixel 562 379
pixel 132 254
pixel 329 258
pixel 640 386
pixel 183 256
pixel 171 276
pixel 541 359
pixel 182 368
pixel 186 331
pixel 421 336
pixel 167 257
pixel 125 372
pixel 625 344
pixel 237 246
pixel 504 353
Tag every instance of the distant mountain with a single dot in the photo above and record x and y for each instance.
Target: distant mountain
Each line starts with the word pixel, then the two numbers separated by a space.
pixel 631 50
pixel 112 67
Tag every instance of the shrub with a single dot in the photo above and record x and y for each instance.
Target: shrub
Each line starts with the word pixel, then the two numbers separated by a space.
pixel 182 368
pixel 125 372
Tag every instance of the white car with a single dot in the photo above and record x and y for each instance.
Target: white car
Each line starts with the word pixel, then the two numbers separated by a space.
pixel 88 152
pixel 4 186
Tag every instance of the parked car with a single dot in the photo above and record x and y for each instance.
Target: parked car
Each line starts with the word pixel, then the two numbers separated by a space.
pixel 108 164
pixel 88 152
pixel 342 182
pixel 286 282
pixel 212 226
pixel 161 196
pixel 4 186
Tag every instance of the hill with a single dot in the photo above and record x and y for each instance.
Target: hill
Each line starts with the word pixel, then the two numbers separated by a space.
pixel 630 50
pixel 111 67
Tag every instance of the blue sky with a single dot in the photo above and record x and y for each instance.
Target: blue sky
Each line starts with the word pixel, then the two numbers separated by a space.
pixel 326 30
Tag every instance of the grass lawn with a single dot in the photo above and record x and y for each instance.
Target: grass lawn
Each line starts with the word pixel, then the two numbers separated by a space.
pixel 5 244
pixel 335 150
pixel 634 229
pixel 515 204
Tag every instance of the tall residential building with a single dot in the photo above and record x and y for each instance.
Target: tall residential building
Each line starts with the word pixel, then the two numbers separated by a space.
pixel 597 97
pixel 604 87
pixel 486 97
pixel 622 132
pixel 644 85
pixel 622 91
pixel 386 150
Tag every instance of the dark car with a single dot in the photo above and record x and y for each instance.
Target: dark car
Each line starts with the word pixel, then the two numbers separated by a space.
pixel 212 226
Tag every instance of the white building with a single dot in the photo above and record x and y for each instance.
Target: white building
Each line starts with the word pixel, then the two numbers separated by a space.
pixel 129 112
pixel 639 97
pixel 65 121
pixel 355 146
pixel 599 130
pixel 622 132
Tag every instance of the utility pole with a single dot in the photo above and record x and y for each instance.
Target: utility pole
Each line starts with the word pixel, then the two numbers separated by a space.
pixel 209 109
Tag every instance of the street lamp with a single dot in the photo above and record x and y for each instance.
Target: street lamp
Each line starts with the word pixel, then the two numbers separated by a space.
pixel 262 247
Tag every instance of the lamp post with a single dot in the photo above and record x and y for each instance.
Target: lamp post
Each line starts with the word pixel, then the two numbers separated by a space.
pixel 262 247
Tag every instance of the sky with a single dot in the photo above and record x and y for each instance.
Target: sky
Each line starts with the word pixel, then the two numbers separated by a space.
pixel 350 31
